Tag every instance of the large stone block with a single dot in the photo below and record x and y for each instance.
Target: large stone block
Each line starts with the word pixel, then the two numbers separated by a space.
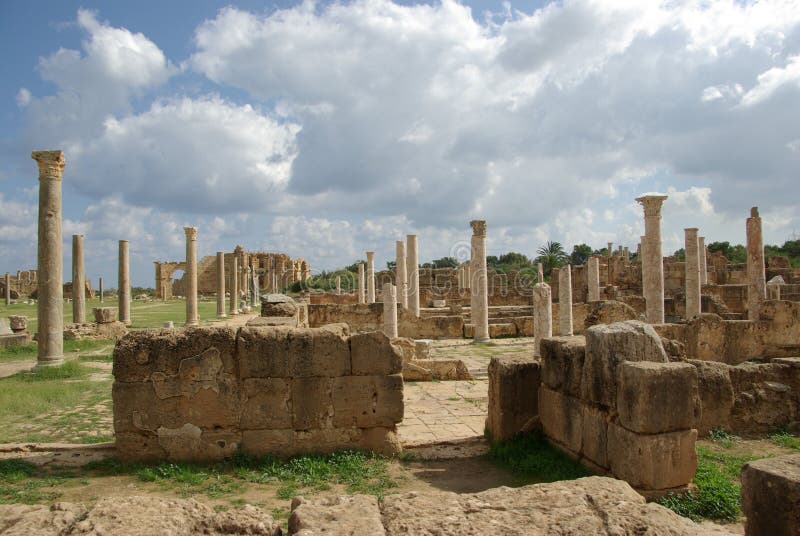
pixel 652 461
pixel 657 397
pixel 354 515
pixel 265 352
pixel 268 442
pixel 137 408
pixel 594 432
pixel 138 446
pixel 367 401
pixel 562 363
pixel 190 442
pixel 373 353
pixel 771 496
pixel 562 418
pixel 716 396
pixel 266 404
pixel 506 329
pixel 329 355
pixel 105 315
pixel 765 398
pixel 312 404
pixel 141 353
pixel 513 395
pixel 609 345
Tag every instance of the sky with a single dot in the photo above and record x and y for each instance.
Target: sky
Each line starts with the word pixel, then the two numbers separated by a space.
pixel 326 129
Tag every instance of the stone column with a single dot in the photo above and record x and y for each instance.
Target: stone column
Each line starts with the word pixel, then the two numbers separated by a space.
pixel 756 276
pixel 191 276
pixel 124 284
pixel 8 288
pixel 412 273
pixel 338 285
pixel 565 301
pixel 164 292
pixel 390 310
pixel 370 277
pixel 691 247
pixel 703 262
pixel 480 290
pixel 234 303
pixel 539 272
pixel 100 288
pixel 362 294
pixel 78 281
pixel 593 276
pixel 542 315
pixel 400 273
pixel 50 302
pixel 247 282
pixel 221 285
pixel 653 261
pixel 773 291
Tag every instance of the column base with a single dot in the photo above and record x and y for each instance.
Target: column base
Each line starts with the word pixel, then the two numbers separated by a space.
pixel 49 362
pixel 478 340
pixel 223 315
pixel 192 324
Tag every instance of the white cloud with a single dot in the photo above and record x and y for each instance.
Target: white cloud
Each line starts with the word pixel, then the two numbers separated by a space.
pixel 772 80
pixel 23 97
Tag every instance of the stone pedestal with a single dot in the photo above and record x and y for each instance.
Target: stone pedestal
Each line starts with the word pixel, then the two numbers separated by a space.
pixel 105 315
pixel 480 290
pixel 78 281
pixel 756 275
pixel 234 303
pixel 390 310
pixel 701 244
pixel 565 301
pixel 653 261
pixel 124 284
pixel 593 278
pixel 400 273
pixel 542 315
pixel 7 289
pixel 191 273
pixel 362 294
pixel 221 285
pixel 370 277
pixel 18 323
pixel 50 301
pixel 412 273
pixel 692 249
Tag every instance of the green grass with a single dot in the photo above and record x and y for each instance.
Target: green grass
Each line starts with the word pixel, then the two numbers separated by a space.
pixel 718 494
pixel 29 351
pixel 531 459
pixel 785 439
pixel 21 482
pixel 722 437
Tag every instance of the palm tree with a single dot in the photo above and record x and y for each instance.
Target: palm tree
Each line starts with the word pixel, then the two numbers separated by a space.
pixel 551 255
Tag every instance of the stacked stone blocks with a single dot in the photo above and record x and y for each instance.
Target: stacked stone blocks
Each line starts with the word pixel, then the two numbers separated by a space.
pixel 204 393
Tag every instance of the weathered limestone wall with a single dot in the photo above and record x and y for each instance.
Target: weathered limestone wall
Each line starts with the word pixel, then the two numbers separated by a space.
pixel 369 317
pixel 204 393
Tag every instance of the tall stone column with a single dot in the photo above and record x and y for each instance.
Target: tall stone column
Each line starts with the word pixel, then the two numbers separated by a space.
pixel 412 273
pixel 164 292
pixel 78 281
pixel 370 277
pixel 124 284
pixel 8 288
pixel 652 261
pixel 191 273
pixel 539 272
pixel 693 303
pixel 542 315
pixel 390 310
pixel 362 293
pixel 756 276
pixel 234 303
pixel 703 262
pixel 480 290
pixel 100 288
pixel 50 302
pixel 565 301
pixel 400 273
pixel 247 283
pixel 221 285
pixel 593 276
pixel 338 285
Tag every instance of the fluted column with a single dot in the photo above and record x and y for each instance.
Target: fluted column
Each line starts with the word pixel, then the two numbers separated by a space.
pixel 542 315
pixel 50 302
pixel 362 293
pixel 234 303
pixel 221 285
pixel 191 276
pixel 412 273
pixel 370 277
pixel 565 301
pixel 78 281
pixel 703 261
pixel 756 276
pixel 480 314
pixel 400 273
pixel 8 288
pixel 593 276
pixel 390 310
pixel 691 247
pixel 653 261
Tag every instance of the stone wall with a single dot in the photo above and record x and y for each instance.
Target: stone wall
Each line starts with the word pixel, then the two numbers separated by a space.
pixel 614 402
pixel 369 317
pixel 204 393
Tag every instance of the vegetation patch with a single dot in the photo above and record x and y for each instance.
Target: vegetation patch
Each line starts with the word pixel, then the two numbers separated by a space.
pixel 785 439
pixel 22 482
pixel 531 459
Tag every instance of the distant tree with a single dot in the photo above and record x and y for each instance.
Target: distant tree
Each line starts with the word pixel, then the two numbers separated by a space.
pixel 551 255
pixel 680 254
pixel 444 262
pixel 735 254
pixel 580 254
pixel 390 265
pixel 354 267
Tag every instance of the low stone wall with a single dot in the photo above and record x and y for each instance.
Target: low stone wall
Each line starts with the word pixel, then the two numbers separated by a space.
pixel 204 393
pixel 615 403
pixel 369 317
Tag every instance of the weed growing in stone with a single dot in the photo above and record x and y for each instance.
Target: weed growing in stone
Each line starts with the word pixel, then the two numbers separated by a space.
pixel 531 459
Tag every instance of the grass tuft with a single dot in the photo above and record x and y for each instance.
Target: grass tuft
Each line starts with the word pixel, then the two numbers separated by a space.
pixel 531 459
pixel 723 438
pixel 785 439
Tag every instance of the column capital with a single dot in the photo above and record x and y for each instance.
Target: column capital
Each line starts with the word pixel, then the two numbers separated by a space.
pixel 478 227
pixel 691 230
pixel 652 204
pixel 191 232
pixel 370 255
pixel 754 212
pixel 51 164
